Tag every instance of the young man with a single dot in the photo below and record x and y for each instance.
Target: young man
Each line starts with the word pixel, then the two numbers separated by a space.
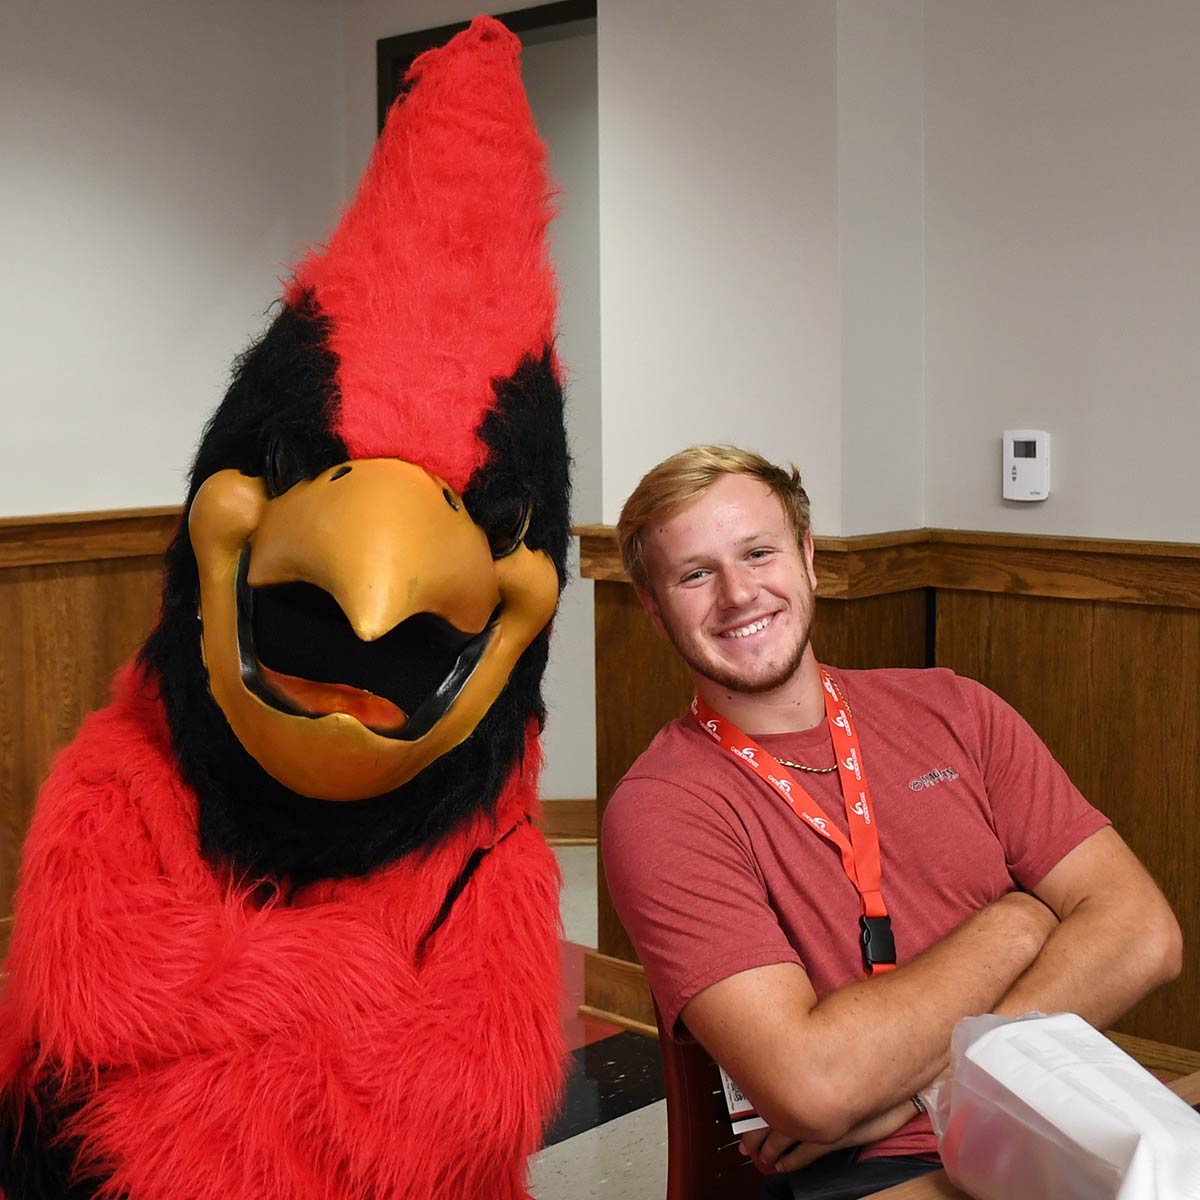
pixel 799 811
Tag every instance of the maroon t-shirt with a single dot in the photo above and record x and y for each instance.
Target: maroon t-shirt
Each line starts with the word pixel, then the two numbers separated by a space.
pixel 713 874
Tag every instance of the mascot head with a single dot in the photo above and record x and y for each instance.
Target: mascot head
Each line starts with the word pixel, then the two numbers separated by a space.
pixel 356 606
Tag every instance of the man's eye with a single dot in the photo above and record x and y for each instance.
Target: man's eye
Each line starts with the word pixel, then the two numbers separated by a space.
pixel 506 531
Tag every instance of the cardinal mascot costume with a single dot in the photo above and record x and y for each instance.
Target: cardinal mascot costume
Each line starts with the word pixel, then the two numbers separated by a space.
pixel 284 927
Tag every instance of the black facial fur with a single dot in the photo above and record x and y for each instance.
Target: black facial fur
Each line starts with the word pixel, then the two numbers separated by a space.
pixel 36 1162
pixel 529 462
pixel 275 422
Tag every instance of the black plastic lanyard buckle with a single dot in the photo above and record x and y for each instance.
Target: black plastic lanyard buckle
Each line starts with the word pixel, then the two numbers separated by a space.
pixel 878 945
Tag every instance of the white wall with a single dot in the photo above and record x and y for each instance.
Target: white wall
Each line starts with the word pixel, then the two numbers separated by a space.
pixel 880 123
pixel 718 236
pixel 560 79
pixel 1063 235
pixel 364 22
pixel 164 162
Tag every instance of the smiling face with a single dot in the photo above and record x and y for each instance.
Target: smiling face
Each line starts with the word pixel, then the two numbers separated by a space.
pixel 730 587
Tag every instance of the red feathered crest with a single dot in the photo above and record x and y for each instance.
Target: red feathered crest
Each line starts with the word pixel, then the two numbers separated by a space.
pixel 437 281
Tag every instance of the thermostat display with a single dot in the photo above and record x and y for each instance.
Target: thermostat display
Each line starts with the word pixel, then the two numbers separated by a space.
pixel 1026 464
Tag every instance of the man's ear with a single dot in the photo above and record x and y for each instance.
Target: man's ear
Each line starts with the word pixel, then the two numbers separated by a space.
pixel 651 606
pixel 809 551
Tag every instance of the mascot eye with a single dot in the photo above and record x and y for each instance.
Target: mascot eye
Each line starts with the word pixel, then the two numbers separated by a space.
pixel 279 470
pixel 506 531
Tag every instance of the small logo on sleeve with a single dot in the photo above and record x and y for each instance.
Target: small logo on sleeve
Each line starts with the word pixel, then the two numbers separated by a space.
pixel 932 778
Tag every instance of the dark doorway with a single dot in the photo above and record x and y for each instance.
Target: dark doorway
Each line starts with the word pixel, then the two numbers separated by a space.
pixel 394 55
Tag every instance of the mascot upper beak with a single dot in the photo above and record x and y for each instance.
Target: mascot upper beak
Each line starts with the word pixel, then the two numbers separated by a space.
pixel 357 627
pixel 386 540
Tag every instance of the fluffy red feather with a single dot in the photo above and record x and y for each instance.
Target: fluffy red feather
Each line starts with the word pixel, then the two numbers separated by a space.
pixel 437 279
pixel 237 1049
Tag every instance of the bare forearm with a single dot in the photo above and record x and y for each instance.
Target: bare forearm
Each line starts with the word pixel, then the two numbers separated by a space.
pixel 817 1068
pixel 1102 959
pixel 1118 938
pixel 890 1036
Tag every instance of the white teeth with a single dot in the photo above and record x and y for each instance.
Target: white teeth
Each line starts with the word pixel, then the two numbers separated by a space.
pixel 747 630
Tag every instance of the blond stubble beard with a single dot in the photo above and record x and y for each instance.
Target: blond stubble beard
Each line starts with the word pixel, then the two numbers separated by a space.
pixel 731 680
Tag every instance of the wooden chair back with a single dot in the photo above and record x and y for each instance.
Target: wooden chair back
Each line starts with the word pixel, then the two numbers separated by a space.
pixel 703 1159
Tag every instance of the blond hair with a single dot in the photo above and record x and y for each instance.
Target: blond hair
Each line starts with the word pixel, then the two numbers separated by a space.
pixel 686 476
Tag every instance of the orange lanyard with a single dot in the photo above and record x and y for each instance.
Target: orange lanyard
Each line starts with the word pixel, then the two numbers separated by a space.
pixel 860 853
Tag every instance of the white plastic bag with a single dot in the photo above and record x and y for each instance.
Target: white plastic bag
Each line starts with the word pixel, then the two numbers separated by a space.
pixel 1047 1108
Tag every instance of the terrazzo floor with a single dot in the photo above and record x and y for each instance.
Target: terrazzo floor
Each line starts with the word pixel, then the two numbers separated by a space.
pixel 610 1140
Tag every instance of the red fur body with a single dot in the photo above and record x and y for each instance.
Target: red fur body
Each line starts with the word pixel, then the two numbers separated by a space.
pixel 231 1046
pixel 437 279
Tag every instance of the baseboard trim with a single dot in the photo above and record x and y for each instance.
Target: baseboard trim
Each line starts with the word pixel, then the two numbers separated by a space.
pixel 569 822
pixel 610 1018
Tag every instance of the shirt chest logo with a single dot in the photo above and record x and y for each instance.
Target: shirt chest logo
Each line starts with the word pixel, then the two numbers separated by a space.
pixel 932 778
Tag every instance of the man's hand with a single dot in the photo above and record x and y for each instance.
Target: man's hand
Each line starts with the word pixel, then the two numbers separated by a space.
pixel 816 1070
pixel 777 1153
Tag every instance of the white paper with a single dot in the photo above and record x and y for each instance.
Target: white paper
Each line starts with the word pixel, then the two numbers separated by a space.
pixel 1049 1107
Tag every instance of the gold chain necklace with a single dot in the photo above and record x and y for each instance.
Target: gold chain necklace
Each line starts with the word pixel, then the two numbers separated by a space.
pixel 818 770
pixel 787 762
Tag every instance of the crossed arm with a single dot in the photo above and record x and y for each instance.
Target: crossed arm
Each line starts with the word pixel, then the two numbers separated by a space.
pixel 839 1070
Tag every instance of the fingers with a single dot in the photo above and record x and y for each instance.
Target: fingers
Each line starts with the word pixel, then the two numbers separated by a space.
pixel 752 1141
pixel 774 1148
pixel 800 1155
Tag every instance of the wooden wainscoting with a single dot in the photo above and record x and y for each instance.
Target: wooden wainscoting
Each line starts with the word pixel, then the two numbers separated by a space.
pixel 77 596
pixel 569 822
pixel 1096 643
pixel 1114 691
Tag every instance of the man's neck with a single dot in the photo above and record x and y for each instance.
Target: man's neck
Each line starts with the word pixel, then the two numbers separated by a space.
pixel 794 706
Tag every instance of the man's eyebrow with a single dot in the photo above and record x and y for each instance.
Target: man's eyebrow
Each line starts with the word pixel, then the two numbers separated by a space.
pixel 701 557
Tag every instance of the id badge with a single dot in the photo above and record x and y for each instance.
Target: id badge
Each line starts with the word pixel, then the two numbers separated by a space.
pixel 742 1113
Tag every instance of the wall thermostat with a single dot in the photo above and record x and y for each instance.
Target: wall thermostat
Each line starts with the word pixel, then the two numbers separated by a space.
pixel 1026 464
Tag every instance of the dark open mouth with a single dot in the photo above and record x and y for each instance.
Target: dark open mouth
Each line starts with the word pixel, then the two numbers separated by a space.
pixel 300 655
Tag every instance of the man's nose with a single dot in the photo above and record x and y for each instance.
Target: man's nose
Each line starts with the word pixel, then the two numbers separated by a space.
pixel 737 587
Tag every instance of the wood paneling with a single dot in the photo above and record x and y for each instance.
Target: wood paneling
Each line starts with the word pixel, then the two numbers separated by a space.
pixel 85 537
pixel 616 990
pixel 1114 691
pixel 1151 573
pixel 64 630
pixel 879 631
pixel 1140 573
pixel 569 822
pixel 641 684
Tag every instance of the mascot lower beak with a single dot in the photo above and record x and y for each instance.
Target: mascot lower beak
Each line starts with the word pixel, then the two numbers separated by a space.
pixel 357 627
